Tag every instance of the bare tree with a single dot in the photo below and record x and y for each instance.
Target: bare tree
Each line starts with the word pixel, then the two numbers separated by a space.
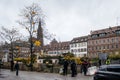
pixel 31 15
pixel 10 35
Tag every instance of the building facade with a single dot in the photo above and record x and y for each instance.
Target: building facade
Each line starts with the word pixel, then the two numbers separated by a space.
pixel 21 49
pixel 99 41
pixel 78 46
pixel 104 41
pixel 56 48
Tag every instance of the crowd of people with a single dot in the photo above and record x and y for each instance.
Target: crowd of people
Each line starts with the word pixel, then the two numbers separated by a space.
pixel 73 66
pixel 83 68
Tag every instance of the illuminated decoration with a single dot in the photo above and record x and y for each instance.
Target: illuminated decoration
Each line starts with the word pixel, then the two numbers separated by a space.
pixel 37 43
pixel 33 12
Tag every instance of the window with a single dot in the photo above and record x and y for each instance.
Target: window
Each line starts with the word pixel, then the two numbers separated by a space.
pixel 116 45
pixel 99 41
pixel 96 42
pixel 83 43
pixel 81 39
pixel 85 49
pixel 79 45
pixel 108 40
pixel 75 45
pixel 78 50
pixel 103 47
pixel 102 34
pixel 76 41
pixel 102 69
pixel 100 47
pixel 89 42
pixel 72 45
pixel 57 52
pixel 112 40
pixel 117 32
pixel 94 36
pixel 103 41
pixel 81 50
pixel 107 46
pixel 75 50
pixel 112 46
pixel 117 40
pixel 72 50
pixel 116 69
pixel 96 47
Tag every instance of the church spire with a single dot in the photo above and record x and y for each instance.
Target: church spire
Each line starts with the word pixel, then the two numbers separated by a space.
pixel 40 34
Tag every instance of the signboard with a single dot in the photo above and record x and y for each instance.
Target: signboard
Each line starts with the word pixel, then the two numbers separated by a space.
pixel 103 56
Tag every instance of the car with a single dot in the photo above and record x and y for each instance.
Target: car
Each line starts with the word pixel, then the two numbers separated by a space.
pixel 108 72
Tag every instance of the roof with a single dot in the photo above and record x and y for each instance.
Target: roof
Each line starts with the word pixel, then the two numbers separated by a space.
pixel 106 30
pixel 57 46
pixel 79 39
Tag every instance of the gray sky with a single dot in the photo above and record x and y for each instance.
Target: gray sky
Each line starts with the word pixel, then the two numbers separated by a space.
pixel 65 18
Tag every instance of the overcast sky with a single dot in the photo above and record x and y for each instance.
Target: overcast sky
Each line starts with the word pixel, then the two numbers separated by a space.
pixel 66 18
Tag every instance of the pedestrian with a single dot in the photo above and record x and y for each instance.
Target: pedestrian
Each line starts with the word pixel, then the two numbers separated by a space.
pixel 81 68
pixel 85 66
pixel 17 68
pixel 99 62
pixel 65 67
pixel 73 68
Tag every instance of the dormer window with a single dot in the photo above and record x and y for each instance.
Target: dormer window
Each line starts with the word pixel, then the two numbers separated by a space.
pixel 73 41
pixel 117 32
pixel 94 36
pixel 76 40
pixel 81 39
pixel 102 35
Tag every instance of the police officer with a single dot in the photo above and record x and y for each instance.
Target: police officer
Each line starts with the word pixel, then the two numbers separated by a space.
pixel 107 61
pixel 65 67
pixel 73 68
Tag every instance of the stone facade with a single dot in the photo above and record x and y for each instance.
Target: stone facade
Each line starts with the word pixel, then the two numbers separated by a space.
pixel 104 41
pixel 78 46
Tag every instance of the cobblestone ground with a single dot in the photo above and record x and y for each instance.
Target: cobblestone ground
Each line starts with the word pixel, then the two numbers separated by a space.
pixel 26 75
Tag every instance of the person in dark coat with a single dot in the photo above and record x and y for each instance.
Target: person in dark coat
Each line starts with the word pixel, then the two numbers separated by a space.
pixel 99 62
pixel 85 66
pixel 65 67
pixel 73 68
pixel 17 68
